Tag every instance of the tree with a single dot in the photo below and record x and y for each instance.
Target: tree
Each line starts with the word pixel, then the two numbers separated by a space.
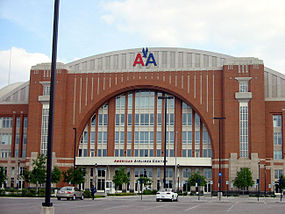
pixel 120 177
pixel 74 176
pixel 2 176
pixel 196 178
pixel 55 175
pixel 243 179
pixel 27 176
pixel 38 173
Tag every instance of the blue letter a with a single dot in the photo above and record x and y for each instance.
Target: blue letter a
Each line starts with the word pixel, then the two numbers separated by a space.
pixel 150 59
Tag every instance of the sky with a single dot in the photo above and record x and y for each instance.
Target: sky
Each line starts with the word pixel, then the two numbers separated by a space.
pixel 241 28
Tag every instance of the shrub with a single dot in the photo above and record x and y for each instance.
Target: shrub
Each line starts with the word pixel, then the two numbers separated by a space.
pixel 87 194
pixel 2 191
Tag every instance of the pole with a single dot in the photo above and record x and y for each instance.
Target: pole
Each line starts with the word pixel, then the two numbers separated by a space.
pixel 220 177
pixel 74 155
pixel 175 169
pixel 47 202
pixel 258 181
pixel 264 180
pixel 165 132
pixel 220 151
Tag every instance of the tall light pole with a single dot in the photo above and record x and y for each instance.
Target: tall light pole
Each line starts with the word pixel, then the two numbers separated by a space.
pixel 165 132
pixel 258 180
pixel 220 172
pixel 74 155
pixel 264 180
pixel 47 206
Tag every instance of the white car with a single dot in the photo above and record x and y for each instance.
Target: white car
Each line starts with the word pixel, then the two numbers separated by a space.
pixel 166 194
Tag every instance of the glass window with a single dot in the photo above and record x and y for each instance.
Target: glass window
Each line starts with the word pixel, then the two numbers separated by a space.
pixel 129 152
pixel 277 120
pixel 117 119
pixel 159 119
pixel 105 138
pixel 92 138
pixel 277 155
pixel 136 152
pixel 130 119
pixel 121 153
pixel 189 152
pixel 151 152
pixel 151 119
pixel 183 152
pixel 278 173
pixel 116 153
pixel 197 120
pixel 105 119
pixel 129 138
pixel 243 86
pixel 130 101
pixel 104 152
pixel 158 138
pixel 197 137
pixel 158 153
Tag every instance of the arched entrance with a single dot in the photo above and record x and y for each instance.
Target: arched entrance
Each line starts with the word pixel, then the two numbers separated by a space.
pixel 129 127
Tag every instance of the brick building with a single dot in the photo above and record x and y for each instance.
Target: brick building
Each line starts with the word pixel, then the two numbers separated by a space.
pixel 110 101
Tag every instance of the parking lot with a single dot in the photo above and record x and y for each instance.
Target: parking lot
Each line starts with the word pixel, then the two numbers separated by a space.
pixel 134 204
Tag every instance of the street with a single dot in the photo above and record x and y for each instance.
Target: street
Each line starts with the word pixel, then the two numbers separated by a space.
pixel 122 205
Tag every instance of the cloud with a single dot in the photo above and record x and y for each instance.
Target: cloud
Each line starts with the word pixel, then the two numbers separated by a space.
pixel 21 62
pixel 237 27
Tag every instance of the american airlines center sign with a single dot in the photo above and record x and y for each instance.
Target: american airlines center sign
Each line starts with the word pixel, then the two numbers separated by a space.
pixel 139 161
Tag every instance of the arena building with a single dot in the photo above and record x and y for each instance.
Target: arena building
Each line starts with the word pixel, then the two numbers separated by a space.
pixel 110 112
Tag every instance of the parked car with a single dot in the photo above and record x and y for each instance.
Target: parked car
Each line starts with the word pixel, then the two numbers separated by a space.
pixel 166 194
pixel 69 192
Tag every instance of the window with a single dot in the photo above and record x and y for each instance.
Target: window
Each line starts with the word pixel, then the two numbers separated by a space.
pixel 208 173
pixel 186 173
pixel 277 155
pixel 158 138
pixel 278 173
pixel 197 137
pixel 243 122
pixel 277 120
pixel 130 119
pixel 243 86
pixel 158 153
pixel 277 138
pixel 129 137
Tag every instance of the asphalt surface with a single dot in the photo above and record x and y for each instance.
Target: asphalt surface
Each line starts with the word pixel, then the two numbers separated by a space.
pixel 148 205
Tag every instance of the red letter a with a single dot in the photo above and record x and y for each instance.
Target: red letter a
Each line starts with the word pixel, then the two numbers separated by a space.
pixel 138 60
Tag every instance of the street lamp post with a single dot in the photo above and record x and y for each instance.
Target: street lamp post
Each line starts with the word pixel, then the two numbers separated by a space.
pixel 258 180
pixel 264 180
pixel 220 173
pixel 74 155
pixel 165 132
pixel 47 206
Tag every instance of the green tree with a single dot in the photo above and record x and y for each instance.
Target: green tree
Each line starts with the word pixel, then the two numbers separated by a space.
pixel 120 177
pixel 196 178
pixel 2 176
pixel 55 175
pixel 243 179
pixel 38 173
pixel 74 176
pixel 27 176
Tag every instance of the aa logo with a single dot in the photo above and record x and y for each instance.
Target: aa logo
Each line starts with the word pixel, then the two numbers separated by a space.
pixel 149 58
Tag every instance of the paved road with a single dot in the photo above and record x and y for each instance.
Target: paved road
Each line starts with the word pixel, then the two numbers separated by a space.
pixel 125 205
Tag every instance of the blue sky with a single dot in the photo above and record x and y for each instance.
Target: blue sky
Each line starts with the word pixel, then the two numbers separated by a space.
pixel 239 28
